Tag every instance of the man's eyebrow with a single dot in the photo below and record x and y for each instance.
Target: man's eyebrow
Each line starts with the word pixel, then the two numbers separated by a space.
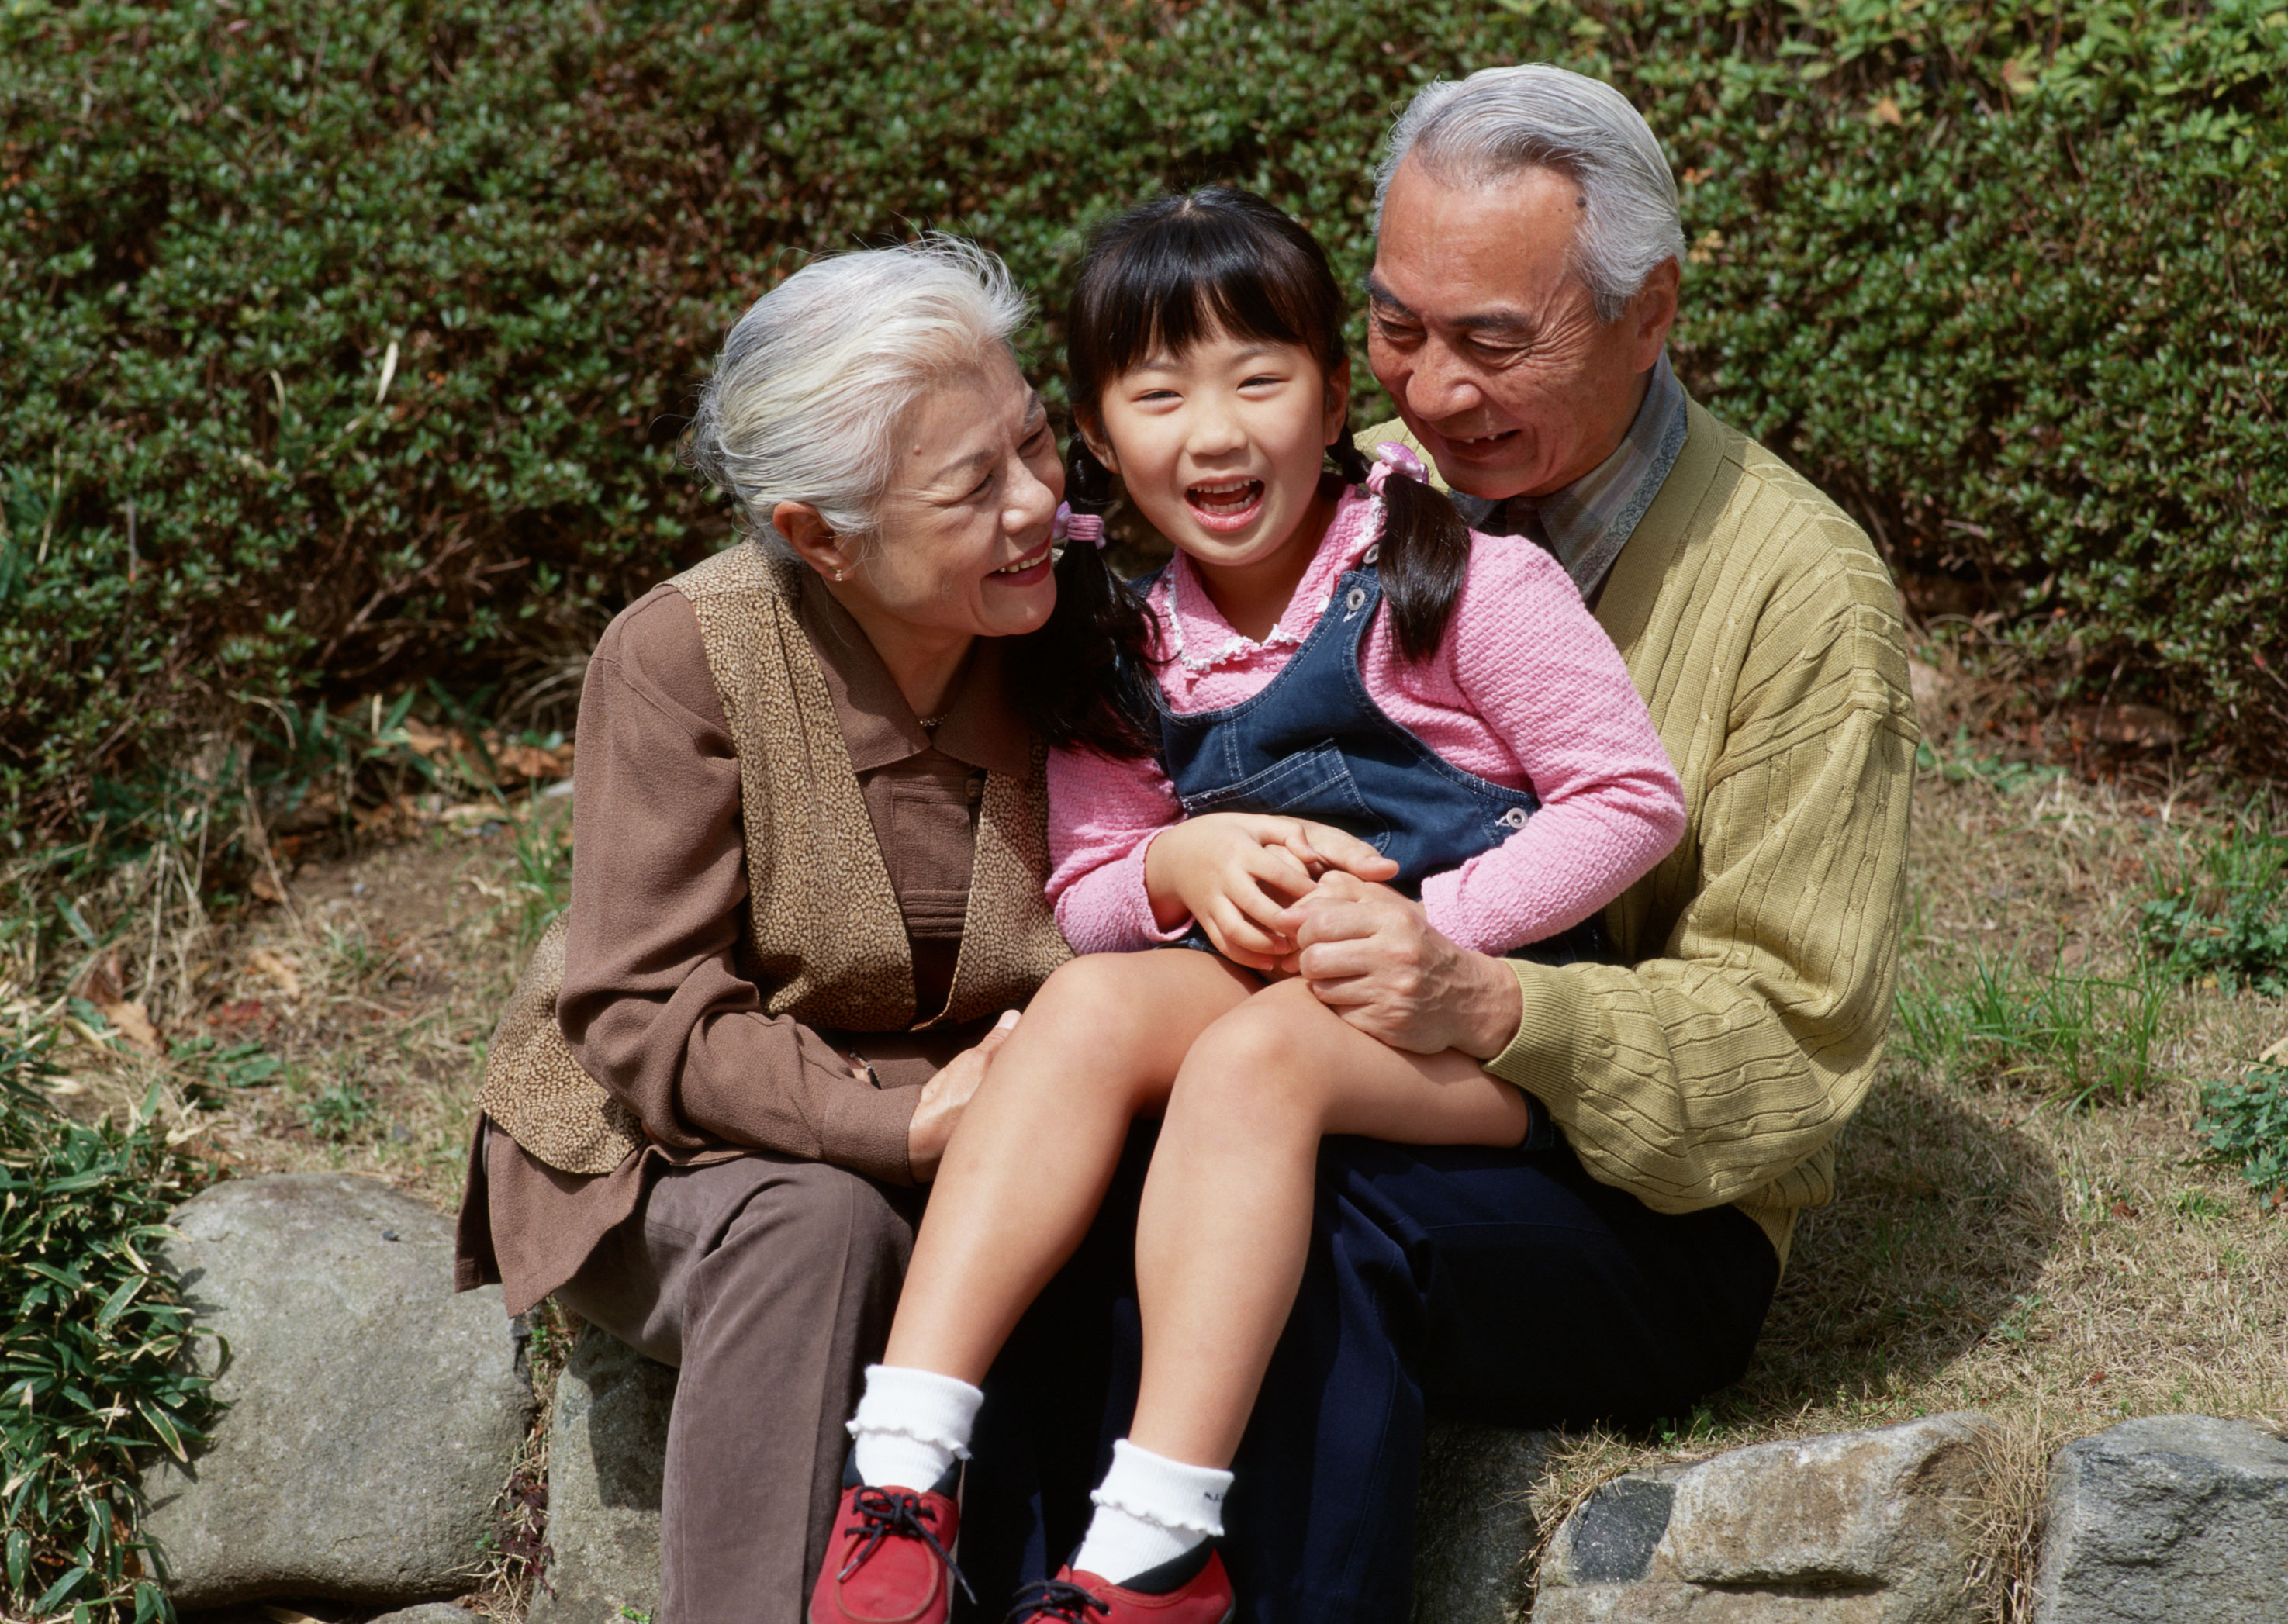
pixel 1485 321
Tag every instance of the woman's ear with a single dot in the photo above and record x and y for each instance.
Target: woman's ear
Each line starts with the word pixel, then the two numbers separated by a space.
pixel 805 532
pixel 1339 401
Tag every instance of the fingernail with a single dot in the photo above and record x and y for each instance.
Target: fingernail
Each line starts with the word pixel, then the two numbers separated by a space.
pixel 1008 1020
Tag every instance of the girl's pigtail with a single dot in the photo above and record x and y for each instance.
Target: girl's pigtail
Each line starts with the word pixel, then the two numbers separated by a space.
pixel 1081 679
pixel 1426 553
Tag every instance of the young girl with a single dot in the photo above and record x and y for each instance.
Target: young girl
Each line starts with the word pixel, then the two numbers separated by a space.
pixel 1333 672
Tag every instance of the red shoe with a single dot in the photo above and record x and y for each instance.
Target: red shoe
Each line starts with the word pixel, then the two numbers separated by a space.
pixel 890 1560
pixel 1192 1589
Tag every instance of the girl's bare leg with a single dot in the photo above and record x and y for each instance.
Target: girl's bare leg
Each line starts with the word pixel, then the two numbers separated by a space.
pixel 1029 1164
pixel 1226 1218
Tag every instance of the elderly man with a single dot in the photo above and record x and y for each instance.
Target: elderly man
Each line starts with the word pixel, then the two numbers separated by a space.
pixel 1619 1263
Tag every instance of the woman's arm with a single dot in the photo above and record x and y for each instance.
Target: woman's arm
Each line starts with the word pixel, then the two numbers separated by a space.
pixel 654 1005
pixel 1525 654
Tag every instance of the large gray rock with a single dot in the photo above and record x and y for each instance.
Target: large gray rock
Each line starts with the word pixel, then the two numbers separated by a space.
pixel 1473 1529
pixel 607 1440
pixel 1849 1528
pixel 374 1414
pixel 2172 1516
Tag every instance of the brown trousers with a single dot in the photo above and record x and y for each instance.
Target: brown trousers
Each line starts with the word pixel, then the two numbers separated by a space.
pixel 769 1283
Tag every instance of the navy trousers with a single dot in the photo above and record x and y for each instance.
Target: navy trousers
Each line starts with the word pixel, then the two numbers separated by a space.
pixel 1505 1286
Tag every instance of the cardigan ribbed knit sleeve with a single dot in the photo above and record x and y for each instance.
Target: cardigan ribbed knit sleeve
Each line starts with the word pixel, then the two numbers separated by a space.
pixel 1717 1062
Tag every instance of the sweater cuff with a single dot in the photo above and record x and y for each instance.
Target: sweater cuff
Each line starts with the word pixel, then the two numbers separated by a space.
pixel 865 1129
pixel 1543 1056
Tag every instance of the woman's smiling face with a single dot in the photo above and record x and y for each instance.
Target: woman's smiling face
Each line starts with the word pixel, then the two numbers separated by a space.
pixel 963 547
pixel 1220 447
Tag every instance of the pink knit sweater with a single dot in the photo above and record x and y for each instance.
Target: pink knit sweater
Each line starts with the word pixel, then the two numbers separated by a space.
pixel 1527 691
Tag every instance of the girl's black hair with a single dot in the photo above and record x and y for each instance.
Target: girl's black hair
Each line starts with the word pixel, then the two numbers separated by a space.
pixel 1159 279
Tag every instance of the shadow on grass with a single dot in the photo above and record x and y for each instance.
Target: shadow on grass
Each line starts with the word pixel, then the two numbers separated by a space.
pixel 1940 1227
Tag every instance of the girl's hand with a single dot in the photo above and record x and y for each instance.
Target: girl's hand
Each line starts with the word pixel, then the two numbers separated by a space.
pixel 1241 873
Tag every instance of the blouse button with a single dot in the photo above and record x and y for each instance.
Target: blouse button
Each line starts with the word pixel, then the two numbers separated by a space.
pixel 976 790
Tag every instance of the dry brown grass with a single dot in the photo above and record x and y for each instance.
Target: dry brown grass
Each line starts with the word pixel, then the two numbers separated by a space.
pixel 1993 1247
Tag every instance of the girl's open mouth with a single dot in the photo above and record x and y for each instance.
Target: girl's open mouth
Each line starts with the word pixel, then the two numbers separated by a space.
pixel 1225 504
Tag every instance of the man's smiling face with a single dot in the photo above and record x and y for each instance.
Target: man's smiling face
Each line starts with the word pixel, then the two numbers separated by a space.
pixel 1487 339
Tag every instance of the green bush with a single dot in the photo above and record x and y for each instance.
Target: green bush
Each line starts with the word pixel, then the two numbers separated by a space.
pixel 346 344
pixel 95 1375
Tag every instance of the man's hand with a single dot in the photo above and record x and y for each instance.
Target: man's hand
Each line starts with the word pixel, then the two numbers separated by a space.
pixel 943 1096
pixel 1240 874
pixel 1370 955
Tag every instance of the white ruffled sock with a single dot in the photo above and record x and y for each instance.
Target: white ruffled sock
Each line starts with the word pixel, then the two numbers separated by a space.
pixel 1149 1510
pixel 911 1426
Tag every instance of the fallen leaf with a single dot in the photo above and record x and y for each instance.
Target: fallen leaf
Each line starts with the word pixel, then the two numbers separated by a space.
pixel 134 1024
pixel 264 962
pixel 2122 1209
pixel 103 982
pixel 1887 111
pixel 2278 1052
pixel 261 886
pixel 2093 1378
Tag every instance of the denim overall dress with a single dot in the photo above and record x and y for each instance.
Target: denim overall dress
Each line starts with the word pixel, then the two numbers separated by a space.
pixel 1313 744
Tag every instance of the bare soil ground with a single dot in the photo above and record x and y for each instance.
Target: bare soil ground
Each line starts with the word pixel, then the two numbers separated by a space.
pixel 1994 1244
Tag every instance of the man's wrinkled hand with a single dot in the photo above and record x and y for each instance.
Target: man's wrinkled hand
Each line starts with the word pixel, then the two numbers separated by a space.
pixel 945 1095
pixel 1371 955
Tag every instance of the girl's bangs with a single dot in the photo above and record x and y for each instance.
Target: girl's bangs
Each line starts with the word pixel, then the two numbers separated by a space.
pixel 1195 273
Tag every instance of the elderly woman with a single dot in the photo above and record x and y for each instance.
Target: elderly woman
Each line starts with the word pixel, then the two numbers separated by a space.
pixel 809 875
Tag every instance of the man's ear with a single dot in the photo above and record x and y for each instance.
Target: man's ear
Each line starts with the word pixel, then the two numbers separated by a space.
pixel 805 532
pixel 1653 312
pixel 1091 435
pixel 1339 401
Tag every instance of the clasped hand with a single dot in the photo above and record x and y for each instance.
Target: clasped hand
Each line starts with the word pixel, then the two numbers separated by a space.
pixel 1286 896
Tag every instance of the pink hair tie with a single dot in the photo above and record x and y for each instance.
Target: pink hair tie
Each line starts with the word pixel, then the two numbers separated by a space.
pixel 1391 457
pixel 1072 526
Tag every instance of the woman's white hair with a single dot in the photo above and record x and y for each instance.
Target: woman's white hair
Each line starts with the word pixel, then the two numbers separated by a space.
pixel 812 384
pixel 1500 120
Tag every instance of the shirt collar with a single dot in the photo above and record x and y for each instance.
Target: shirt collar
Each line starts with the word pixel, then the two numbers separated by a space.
pixel 878 728
pixel 1586 525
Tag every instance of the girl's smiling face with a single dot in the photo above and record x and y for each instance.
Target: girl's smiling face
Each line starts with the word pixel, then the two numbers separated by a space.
pixel 1220 447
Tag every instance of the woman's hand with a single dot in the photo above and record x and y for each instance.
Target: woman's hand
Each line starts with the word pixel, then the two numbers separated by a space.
pixel 1240 874
pixel 943 1096
pixel 1372 956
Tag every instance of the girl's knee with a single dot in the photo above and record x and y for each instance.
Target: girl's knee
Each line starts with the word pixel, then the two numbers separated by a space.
pixel 1251 1063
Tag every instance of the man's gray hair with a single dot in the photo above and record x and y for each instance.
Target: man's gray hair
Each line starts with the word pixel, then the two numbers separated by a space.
pixel 814 380
pixel 1500 120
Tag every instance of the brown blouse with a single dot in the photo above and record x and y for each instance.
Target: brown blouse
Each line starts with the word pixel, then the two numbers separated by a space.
pixel 656 1004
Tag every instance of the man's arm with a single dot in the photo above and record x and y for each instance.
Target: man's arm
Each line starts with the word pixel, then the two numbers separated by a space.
pixel 1731 1053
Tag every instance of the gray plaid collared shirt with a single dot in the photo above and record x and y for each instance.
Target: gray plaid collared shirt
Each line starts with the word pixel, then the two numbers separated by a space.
pixel 1586 525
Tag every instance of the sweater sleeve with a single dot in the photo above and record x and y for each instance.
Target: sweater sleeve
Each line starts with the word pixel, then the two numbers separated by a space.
pixel 1528 657
pixel 1103 813
pixel 1719 1066
pixel 654 1003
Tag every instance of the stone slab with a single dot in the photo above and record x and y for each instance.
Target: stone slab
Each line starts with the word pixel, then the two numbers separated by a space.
pixel 606 1446
pixel 2167 1517
pixel 374 1413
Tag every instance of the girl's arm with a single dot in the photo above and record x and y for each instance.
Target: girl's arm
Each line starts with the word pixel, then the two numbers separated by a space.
pixel 1103 813
pixel 1524 653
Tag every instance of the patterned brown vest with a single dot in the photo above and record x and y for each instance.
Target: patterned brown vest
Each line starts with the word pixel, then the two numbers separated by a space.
pixel 824 933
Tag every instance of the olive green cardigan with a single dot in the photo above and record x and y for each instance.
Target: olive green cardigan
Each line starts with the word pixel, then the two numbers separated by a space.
pixel 1718 1065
